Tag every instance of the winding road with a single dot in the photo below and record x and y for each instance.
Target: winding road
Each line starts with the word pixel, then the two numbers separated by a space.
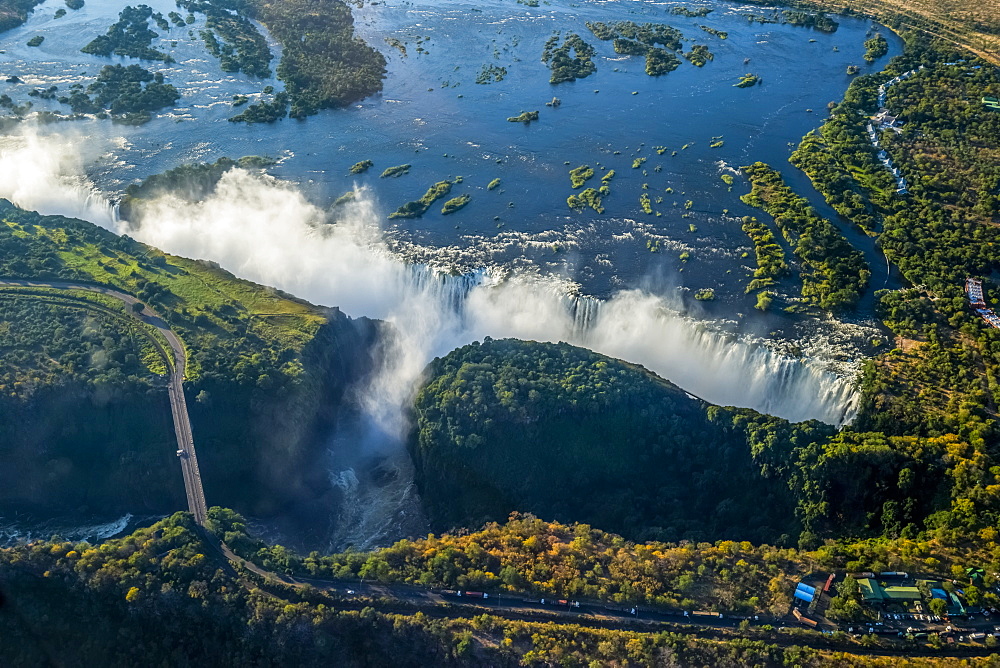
pixel 406 597
pixel 175 386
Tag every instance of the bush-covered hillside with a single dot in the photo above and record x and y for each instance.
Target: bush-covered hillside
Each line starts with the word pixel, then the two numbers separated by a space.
pixel 265 376
pixel 566 433
pixel 161 596
pixel 66 356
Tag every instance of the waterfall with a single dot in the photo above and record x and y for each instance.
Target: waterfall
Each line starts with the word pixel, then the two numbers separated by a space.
pixel 265 230
pixel 718 366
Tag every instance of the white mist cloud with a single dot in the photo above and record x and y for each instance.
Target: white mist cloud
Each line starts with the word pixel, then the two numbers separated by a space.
pixel 46 173
pixel 265 230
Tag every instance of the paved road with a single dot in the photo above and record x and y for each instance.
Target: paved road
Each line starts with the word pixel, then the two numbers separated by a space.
pixel 591 614
pixel 175 385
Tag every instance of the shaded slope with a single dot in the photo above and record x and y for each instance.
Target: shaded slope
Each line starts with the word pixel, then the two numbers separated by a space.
pixel 567 433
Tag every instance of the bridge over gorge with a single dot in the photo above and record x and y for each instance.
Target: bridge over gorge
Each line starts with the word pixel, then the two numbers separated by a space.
pixel 175 385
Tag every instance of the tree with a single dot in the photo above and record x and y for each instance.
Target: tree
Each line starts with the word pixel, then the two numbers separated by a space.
pixel 938 606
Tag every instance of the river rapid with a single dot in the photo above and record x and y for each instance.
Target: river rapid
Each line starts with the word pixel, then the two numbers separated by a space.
pixel 516 261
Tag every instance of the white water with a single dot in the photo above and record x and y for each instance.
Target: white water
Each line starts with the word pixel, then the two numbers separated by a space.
pixel 265 230
pixel 15 531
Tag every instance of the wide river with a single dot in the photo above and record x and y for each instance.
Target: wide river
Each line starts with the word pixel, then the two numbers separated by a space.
pixel 433 116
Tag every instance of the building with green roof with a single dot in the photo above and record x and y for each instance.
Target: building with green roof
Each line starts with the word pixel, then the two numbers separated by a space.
pixel 873 592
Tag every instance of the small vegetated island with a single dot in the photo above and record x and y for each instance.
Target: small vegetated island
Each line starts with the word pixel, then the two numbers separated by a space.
pixel 455 203
pixel 361 167
pixel 698 12
pixel 525 117
pixel 391 172
pixel 564 66
pixel 580 175
pixel 491 74
pixel 588 197
pixel 747 80
pixel 818 20
pixel 130 36
pixel 659 43
pixel 875 48
pixel 242 48
pixel 127 94
pixel 770 258
pixel 591 197
pixel 417 208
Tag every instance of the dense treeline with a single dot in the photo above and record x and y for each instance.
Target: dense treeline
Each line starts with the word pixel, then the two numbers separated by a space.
pixel 569 61
pixel 128 94
pixel 265 376
pixel 833 273
pixel 941 379
pixel 530 556
pixel 837 185
pixel 158 596
pixel 928 446
pixel 243 48
pixel 15 12
pixel 85 341
pixel 130 37
pixel 155 597
pixel 323 63
pixel 569 434
pixel 526 556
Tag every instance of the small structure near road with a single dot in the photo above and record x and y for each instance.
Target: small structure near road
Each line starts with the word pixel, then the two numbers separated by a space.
pixel 974 290
pixel 874 592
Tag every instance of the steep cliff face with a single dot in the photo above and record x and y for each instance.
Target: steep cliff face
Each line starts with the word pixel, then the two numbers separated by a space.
pixel 84 420
pixel 263 452
pixel 564 432
pixel 74 448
